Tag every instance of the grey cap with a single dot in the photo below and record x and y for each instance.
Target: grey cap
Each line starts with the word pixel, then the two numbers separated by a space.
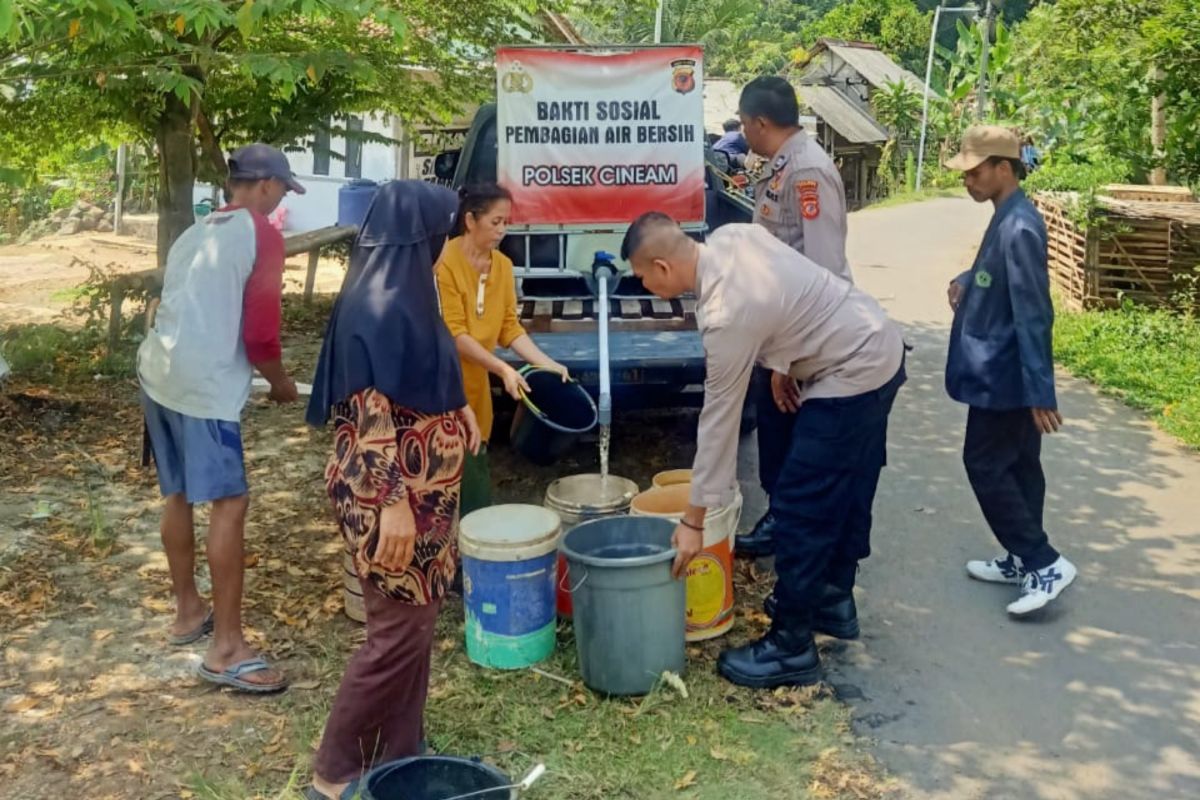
pixel 261 161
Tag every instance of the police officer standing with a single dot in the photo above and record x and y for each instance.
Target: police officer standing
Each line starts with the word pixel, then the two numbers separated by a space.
pixel 801 200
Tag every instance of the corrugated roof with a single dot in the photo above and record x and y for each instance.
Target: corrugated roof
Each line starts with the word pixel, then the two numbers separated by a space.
pixel 875 66
pixel 842 115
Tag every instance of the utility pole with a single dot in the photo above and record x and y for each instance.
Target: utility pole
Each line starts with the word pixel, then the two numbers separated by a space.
pixel 658 15
pixel 1158 129
pixel 937 17
pixel 982 87
pixel 119 198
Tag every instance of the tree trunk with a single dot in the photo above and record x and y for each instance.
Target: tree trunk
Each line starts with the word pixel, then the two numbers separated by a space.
pixel 176 174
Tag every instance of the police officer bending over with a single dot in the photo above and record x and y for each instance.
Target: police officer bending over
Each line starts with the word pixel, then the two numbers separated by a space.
pixel 802 202
pixel 759 301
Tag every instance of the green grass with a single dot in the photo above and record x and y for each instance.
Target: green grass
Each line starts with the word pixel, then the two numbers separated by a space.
pixel 1150 359
pixel 719 742
pixel 903 198
pixel 69 294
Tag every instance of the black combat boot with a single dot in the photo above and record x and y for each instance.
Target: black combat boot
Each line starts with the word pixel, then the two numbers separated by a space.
pixel 786 656
pixel 760 541
pixel 836 613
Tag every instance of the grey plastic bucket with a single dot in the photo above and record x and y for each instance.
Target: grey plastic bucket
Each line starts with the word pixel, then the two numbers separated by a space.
pixel 629 613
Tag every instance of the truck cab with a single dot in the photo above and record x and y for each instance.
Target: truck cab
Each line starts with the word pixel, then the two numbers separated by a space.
pixel 655 354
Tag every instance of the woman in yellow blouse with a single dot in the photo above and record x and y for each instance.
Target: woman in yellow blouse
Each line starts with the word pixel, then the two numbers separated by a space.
pixel 479 304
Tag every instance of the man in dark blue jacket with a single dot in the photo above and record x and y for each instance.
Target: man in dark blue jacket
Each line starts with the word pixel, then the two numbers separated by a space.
pixel 733 143
pixel 1001 364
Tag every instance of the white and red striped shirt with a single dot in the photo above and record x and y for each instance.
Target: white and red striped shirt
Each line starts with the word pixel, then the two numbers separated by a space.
pixel 219 315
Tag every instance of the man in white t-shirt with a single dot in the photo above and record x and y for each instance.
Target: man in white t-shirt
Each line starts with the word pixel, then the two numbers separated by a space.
pixel 217 322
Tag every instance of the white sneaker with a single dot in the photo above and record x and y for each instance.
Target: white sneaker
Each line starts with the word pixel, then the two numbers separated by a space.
pixel 1039 588
pixel 998 570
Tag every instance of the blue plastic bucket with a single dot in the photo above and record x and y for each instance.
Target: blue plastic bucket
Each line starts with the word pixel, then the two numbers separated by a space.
pixel 509 554
pixel 354 199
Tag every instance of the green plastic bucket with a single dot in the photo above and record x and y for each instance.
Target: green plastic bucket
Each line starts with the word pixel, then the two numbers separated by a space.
pixel 629 613
pixel 508 561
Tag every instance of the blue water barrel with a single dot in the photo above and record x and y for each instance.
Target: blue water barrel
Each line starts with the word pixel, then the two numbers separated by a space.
pixel 353 200
pixel 508 556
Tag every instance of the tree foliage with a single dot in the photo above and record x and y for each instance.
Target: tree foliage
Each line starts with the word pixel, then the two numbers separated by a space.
pixel 898 106
pixel 897 27
pixel 1085 72
pixel 745 38
pixel 199 76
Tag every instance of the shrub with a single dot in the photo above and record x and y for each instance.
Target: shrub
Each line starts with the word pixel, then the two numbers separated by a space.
pixel 64 197
pixel 1060 175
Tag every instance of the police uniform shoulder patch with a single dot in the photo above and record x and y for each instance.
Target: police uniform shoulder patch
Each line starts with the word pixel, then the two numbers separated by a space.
pixel 809 197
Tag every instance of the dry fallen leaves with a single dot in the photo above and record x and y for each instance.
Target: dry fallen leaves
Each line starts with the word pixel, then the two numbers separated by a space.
pixel 688 780
pixel 19 703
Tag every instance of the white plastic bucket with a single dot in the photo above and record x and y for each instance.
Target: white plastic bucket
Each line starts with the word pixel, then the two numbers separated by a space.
pixel 578 498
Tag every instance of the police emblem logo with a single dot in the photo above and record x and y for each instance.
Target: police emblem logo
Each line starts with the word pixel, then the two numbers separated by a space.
pixel 683 75
pixel 809 197
pixel 516 80
pixel 780 162
pixel 983 279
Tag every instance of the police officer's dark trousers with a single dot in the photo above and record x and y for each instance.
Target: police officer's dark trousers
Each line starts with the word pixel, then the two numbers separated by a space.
pixel 824 493
pixel 1003 457
pixel 774 432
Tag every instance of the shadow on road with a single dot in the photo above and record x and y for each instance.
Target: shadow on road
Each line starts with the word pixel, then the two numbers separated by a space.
pixel 1097 698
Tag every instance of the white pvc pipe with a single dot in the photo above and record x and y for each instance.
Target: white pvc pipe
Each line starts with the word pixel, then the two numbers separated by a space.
pixel 605 406
pixel 533 776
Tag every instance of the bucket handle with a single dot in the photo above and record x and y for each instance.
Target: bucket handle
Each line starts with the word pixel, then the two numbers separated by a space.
pixel 574 588
pixel 528 368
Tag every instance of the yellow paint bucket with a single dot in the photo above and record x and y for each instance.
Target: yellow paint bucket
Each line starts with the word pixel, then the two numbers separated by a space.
pixel 710 575
pixel 671 477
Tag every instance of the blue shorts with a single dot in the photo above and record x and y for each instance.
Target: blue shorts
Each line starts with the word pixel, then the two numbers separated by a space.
pixel 200 458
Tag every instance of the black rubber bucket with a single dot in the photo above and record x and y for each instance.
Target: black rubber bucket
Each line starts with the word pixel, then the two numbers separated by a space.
pixel 551 418
pixel 435 778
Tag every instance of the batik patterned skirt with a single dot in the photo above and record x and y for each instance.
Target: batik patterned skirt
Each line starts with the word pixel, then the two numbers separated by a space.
pixel 383 454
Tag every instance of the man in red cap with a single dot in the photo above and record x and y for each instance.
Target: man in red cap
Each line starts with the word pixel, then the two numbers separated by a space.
pixel 217 322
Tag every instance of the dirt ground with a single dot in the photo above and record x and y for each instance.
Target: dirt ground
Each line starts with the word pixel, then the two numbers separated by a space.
pixel 38 281
pixel 93 701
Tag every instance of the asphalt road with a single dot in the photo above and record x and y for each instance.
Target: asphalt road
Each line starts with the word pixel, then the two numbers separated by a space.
pixel 1099 697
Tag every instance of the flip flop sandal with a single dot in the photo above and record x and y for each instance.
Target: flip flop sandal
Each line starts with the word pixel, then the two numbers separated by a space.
pixel 196 634
pixel 232 677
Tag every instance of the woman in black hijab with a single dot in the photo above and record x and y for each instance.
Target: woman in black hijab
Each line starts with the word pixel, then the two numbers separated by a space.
pixel 389 375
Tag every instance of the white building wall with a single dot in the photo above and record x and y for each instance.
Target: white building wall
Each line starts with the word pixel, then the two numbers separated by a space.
pixel 317 207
